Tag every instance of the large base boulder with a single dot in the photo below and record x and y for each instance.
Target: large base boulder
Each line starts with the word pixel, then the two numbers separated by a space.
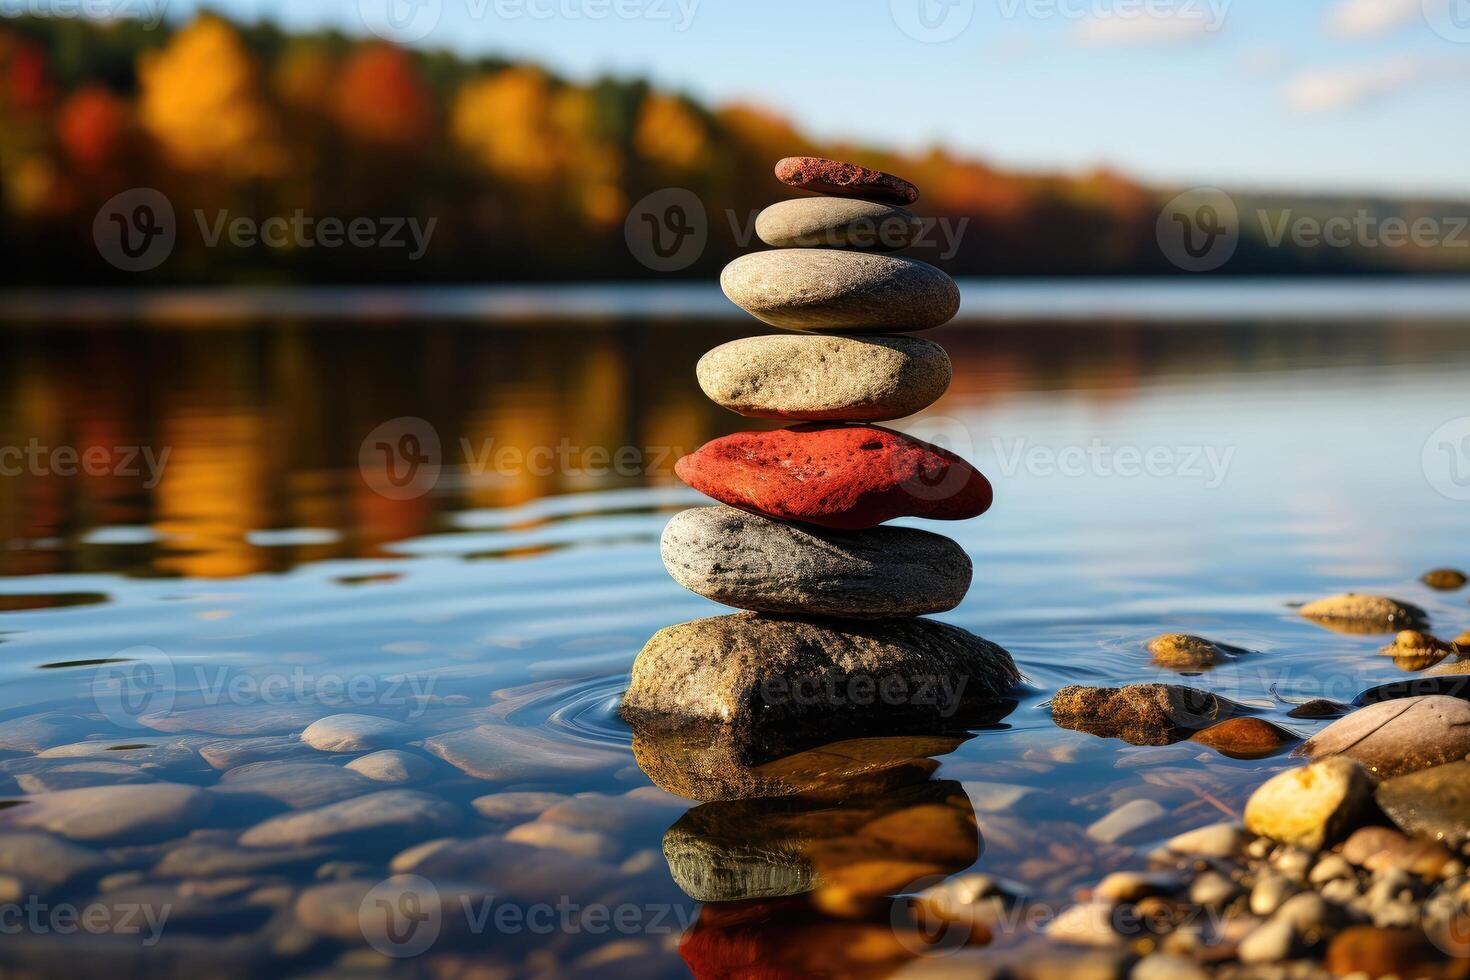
pixel 751 672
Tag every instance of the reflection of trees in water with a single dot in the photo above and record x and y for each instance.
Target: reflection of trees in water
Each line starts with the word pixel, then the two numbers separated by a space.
pixel 263 424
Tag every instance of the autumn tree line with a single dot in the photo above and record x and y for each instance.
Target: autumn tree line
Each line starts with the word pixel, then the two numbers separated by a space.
pixel 526 176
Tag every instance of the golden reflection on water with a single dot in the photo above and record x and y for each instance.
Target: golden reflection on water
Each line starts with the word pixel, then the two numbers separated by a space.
pixel 262 424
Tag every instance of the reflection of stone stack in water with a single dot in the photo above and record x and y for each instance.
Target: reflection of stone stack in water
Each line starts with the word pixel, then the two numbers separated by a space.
pixel 831 641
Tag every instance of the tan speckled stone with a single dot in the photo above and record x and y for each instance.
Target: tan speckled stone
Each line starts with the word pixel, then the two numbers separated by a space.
pixel 849 379
pixel 1352 613
pixel 827 290
pixel 830 222
pixel 751 671
pixel 1182 650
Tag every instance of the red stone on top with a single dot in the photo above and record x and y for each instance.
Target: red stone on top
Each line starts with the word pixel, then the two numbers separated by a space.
pixel 839 476
pixel 844 180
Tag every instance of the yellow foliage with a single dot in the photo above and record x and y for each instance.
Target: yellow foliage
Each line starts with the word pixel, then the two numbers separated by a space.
pixel 505 121
pixel 202 100
pixel 669 132
pixel 518 127
pixel 32 185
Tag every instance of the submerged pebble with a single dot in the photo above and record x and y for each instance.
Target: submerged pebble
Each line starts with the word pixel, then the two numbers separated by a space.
pixel 1142 714
pixel 1353 613
pixel 113 814
pixel 392 766
pixel 1444 579
pixel 1182 651
pixel 377 816
pixel 354 733
pixel 296 784
pixel 1246 738
pixel 502 752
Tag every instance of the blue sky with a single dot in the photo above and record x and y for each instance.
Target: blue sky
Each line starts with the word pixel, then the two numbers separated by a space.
pixel 1295 95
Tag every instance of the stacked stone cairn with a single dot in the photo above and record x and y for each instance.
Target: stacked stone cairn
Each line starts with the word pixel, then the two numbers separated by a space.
pixel 831 640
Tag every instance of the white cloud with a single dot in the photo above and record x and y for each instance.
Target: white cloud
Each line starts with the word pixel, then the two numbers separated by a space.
pixel 1370 18
pixel 1345 86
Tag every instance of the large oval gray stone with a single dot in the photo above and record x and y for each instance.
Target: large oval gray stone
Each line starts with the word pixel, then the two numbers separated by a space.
pixel 113 814
pixel 752 671
pixel 1396 737
pixel 752 562
pixel 831 222
pixel 821 289
pixel 377 817
pixel 848 379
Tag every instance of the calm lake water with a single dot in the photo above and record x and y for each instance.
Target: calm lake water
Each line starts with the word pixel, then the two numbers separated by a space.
pixel 203 553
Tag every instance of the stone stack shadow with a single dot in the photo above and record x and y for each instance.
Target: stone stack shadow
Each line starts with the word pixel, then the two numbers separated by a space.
pixel 831 643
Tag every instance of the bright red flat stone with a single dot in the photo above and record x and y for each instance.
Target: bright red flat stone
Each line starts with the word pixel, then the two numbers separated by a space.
pixel 839 476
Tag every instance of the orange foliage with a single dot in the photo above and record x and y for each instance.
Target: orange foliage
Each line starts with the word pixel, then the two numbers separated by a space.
pixel 203 101
pixel 381 97
pixel 504 120
pixel 27 79
pixel 91 127
pixel 671 134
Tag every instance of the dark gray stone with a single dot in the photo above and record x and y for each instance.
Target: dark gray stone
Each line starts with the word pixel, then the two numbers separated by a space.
pixel 753 562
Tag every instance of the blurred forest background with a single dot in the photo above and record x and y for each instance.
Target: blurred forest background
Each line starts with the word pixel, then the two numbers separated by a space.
pixel 529 176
